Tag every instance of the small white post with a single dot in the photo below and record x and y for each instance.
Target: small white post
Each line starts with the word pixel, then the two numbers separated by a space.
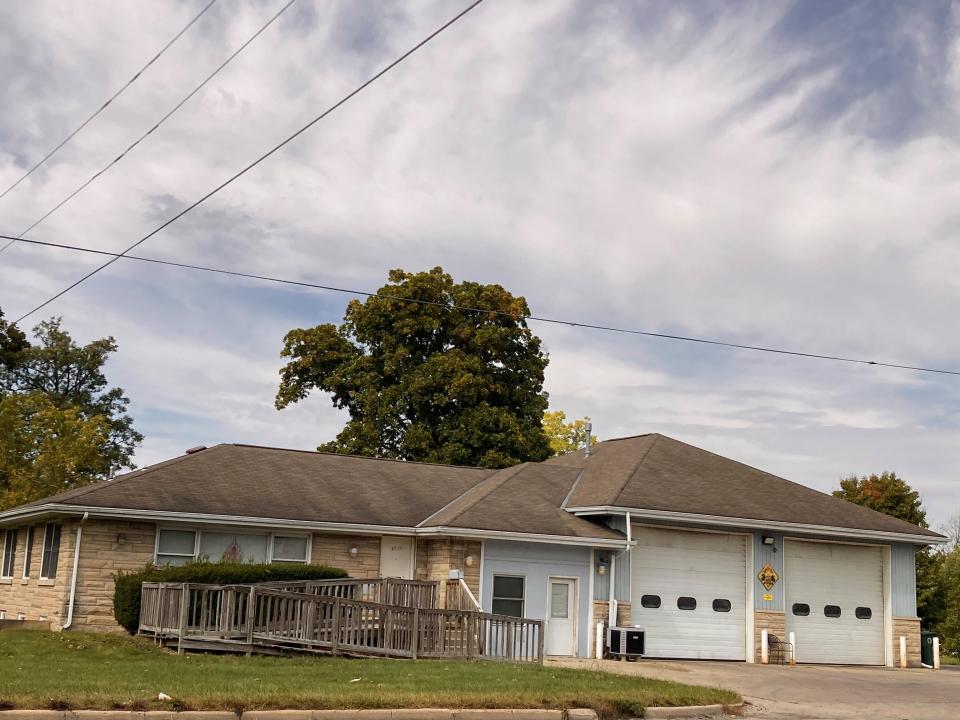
pixel 936 653
pixel 903 651
pixel 764 650
pixel 599 648
pixel 793 644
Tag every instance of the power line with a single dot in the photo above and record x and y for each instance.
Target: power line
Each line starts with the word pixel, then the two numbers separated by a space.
pixel 113 97
pixel 450 306
pixel 156 125
pixel 260 159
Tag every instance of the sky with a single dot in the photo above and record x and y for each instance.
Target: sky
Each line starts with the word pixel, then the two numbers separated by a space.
pixel 771 173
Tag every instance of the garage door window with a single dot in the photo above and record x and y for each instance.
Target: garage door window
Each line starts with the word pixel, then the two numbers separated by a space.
pixel 721 605
pixel 650 601
pixel 801 609
pixel 831 611
pixel 686 603
pixel 864 613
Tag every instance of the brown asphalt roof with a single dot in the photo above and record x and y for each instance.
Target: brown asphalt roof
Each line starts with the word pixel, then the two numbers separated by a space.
pixel 655 472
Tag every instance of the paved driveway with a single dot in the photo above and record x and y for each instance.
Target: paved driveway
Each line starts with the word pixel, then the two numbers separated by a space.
pixel 810 692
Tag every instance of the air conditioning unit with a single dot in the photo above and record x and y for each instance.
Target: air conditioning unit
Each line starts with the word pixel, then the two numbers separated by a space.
pixel 625 642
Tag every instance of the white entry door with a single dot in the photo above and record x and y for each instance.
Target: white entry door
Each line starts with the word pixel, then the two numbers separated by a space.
pixel 561 617
pixel 835 602
pixel 689 593
pixel 396 557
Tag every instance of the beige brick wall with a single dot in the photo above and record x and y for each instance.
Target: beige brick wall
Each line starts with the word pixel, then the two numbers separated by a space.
pixel 771 621
pixel 436 557
pixel 909 628
pixel 34 598
pixel 334 549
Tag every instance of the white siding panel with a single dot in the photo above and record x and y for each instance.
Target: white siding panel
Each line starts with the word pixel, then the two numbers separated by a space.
pixel 848 576
pixel 705 566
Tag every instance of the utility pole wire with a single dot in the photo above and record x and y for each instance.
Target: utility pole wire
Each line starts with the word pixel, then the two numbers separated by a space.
pixel 449 306
pixel 113 97
pixel 346 98
pixel 156 125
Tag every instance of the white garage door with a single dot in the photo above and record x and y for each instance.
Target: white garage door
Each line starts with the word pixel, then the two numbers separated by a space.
pixel 834 602
pixel 689 593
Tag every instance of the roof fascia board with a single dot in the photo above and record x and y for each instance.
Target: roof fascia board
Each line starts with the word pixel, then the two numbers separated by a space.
pixel 235 520
pixel 755 524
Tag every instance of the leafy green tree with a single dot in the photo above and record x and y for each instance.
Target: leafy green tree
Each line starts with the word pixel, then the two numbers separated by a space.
pixel 949 626
pixel 71 377
pixel 12 343
pixel 46 449
pixel 891 495
pixel 424 381
pixel 565 436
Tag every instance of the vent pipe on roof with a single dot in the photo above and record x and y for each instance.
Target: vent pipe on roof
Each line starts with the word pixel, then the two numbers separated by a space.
pixel 586 449
pixel 196 449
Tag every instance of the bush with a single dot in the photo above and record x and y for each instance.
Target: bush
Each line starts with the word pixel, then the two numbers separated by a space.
pixel 126 594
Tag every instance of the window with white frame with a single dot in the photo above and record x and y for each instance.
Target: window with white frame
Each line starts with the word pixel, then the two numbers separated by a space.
pixel 508 595
pixel 9 553
pixel 51 552
pixel 178 547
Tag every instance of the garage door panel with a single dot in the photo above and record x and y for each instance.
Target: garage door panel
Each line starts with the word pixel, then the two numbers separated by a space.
pixel 844 576
pixel 705 566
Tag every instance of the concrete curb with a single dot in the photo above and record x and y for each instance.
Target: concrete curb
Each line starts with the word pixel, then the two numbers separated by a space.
pixel 378 714
pixel 690 711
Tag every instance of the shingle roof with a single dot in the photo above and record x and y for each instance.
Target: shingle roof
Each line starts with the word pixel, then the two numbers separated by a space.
pixel 655 472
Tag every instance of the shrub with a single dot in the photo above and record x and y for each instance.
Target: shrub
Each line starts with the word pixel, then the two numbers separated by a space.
pixel 126 594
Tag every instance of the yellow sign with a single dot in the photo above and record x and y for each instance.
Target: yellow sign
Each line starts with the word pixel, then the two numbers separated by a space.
pixel 767 597
pixel 768 577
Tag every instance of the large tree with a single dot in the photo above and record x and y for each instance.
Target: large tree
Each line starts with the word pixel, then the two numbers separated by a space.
pixel 71 377
pixel 891 495
pixel 423 380
pixel 45 449
pixel 565 436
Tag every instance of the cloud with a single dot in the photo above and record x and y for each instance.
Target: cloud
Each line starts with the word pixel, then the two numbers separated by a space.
pixel 781 174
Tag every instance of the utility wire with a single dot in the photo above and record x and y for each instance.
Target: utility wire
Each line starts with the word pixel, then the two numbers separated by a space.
pixel 113 97
pixel 140 139
pixel 450 306
pixel 259 160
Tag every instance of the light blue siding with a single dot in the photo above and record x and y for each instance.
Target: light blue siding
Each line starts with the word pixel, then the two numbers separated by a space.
pixel 771 555
pixel 601 583
pixel 903 576
pixel 601 574
pixel 536 563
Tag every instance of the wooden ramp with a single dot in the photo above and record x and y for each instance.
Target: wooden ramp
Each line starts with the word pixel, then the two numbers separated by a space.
pixel 335 618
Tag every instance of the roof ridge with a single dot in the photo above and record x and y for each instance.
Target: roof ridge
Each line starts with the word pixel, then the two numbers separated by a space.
pixel 656 437
pixel 359 457
pixel 483 490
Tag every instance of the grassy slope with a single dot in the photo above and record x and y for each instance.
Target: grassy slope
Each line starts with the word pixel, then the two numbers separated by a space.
pixel 72 670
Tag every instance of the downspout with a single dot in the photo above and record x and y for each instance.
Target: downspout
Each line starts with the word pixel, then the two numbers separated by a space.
pixel 76 565
pixel 612 607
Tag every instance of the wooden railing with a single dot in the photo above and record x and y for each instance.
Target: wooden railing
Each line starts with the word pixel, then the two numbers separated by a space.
pixel 258 618
pixel 458 596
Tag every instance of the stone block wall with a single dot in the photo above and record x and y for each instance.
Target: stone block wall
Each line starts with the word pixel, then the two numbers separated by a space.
pixel 31 598
pixel 909 628
pixel 436 557
pixel 774 622
pixel 334 549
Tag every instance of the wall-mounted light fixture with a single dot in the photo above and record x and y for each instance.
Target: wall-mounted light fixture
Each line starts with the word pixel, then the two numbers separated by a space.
pixel 468 560
pixel 602 562
pixel 767 539
pixel 121 539
pixel 354 551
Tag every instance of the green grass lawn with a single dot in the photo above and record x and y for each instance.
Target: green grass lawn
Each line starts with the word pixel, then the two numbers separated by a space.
pixel 949 659
pixel 74 671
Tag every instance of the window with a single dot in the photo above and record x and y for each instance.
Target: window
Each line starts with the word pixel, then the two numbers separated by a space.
pixel 9 553
pixel 233 547
pixel 291 549
pixel 721 605
pixel 176 547
pixel 686 603
pixel 508 595
pixel 801 609
pixel 559 600
pixel 831 611
pixel 28 552
pixel 51 552
pixel 650 601
pixel 863 613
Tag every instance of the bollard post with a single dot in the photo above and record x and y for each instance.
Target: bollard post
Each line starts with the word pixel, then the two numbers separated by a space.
pixel 764 649
pixel 599 648
pixel 936 653
pixel 793 645
pixel 903 651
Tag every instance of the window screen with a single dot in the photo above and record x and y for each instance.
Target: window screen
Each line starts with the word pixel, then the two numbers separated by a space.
pixel 51 552
pixel 508 595
pixel 801 609
pixel 28 552
pixel 650 601
pixel 721 605
pixel 176 547
pixel 289 549
pixel 863 613
pixel 831 611
pixel 9 553
pixel 686 603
